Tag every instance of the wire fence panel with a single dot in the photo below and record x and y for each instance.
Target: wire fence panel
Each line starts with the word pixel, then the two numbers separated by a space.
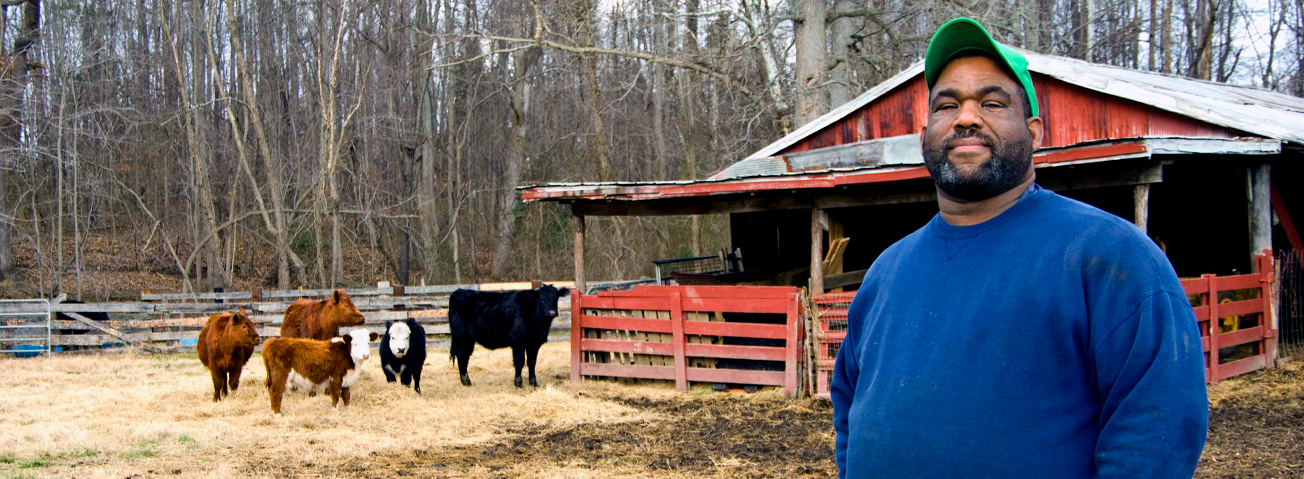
pixel 831 309
pixel 1290 304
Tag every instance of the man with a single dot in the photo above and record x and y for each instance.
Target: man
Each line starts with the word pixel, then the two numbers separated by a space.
pixel 1019 333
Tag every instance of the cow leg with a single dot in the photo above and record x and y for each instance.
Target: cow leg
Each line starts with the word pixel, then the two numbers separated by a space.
pixel 463 352
pixel 335 394
pixel 518 361
pixel 219 383
pixel 532 354
pixel 276 388
pixel 234 382
pixel 416 379
pixel 389 373
pixel 344 394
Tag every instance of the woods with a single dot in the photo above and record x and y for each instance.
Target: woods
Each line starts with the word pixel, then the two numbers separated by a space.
pixel 332 143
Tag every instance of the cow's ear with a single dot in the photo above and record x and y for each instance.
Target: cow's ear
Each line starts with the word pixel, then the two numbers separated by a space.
pixel 388 324
pixel 373 336
pixel 242 312
pixel 561 293
pixel 337 296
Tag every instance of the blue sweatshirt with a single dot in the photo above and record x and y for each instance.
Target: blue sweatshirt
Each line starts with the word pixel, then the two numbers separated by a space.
pixel 1053 340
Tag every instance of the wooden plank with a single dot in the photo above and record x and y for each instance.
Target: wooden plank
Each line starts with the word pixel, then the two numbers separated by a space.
pixel 631 324
pixel 225 296
pixel 706 292
pixel 516 286
pixel 577 333
pixel 771 306
pixel 677 329
pixel 1201 313
pixel 112 332
pixel 1240 281
pixel 738 330
pixel 1241 308
pixel 792 347
pixel 1195 285
pixel 760 353
pixel 609 302
pixel 1237 368
pixel 1237 338
pixel 627 371
pixel 736 376
pixel 624 346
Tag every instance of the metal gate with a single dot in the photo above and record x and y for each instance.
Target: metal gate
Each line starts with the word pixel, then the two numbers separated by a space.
pixel 26 333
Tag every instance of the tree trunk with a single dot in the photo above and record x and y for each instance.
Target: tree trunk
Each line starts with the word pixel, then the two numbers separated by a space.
pixel 506 197
pixel 840 89
pixel 11 128
pixel 271 161
pixel 811 59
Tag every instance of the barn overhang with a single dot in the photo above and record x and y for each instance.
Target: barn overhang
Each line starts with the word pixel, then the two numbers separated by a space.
pixel 882 179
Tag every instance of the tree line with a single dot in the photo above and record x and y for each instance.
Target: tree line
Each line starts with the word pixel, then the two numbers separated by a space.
pixel 330 142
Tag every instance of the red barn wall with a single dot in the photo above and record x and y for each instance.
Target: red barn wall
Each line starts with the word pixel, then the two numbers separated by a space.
pixel 1071 115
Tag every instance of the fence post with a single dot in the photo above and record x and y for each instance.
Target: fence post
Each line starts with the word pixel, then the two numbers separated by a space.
pixel 793 344
pixel 1267 292
pixel 1215 323
pixel 677 338
pixel 577 329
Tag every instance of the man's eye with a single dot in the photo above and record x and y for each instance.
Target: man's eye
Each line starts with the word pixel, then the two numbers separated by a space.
pixel 993 105
pixel 948 106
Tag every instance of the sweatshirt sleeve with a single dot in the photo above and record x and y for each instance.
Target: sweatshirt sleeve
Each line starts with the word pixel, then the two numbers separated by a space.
pixel 1149 370
pixel 842 389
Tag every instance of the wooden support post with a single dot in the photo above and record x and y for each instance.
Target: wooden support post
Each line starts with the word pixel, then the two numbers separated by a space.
pixel 1260 210
pixel 816 252
pixel 1141 205
pixel 578 221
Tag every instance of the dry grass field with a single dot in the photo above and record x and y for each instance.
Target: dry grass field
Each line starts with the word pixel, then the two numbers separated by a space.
pixel 150 417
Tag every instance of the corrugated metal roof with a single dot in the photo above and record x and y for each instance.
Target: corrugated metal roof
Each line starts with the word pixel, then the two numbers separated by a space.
pixel 1254 110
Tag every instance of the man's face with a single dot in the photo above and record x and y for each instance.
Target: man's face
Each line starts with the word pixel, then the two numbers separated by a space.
pixel 977 143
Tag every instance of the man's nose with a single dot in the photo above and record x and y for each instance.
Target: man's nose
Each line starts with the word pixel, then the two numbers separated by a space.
pixel 970 115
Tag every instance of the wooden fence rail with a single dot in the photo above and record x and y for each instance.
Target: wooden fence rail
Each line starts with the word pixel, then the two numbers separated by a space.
pixel 171 322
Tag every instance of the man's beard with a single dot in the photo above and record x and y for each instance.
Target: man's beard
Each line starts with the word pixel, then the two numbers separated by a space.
pixel 1007 167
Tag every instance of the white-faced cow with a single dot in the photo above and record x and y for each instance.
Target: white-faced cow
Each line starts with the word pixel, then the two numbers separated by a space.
pixel 519 319
pixel 315 365
pixel 403 352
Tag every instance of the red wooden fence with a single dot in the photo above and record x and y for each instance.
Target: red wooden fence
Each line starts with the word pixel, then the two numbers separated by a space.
pixel 1251 324
pixel 1249 319
pixel 656 336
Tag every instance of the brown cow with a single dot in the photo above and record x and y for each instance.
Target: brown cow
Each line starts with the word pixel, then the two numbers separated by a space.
pixel 315 365
pixel 225 345
pixel 320 320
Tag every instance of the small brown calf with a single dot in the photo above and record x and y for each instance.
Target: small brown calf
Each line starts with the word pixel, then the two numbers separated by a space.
pixel 315 365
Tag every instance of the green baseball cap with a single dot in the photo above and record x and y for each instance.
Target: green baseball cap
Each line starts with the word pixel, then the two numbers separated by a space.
pixel 966 34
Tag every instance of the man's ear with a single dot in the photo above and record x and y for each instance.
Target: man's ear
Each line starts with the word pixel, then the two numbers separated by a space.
pixel 1037 129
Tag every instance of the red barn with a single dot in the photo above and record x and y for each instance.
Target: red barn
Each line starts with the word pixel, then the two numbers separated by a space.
pixel 1189 161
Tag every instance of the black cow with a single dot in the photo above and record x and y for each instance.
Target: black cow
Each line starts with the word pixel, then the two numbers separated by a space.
pixel 519 319
pixel 403 352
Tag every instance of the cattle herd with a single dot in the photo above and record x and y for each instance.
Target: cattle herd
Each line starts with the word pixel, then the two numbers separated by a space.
pixel 311 353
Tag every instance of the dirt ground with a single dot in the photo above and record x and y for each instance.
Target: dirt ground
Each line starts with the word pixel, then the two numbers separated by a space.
pixel 150 416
